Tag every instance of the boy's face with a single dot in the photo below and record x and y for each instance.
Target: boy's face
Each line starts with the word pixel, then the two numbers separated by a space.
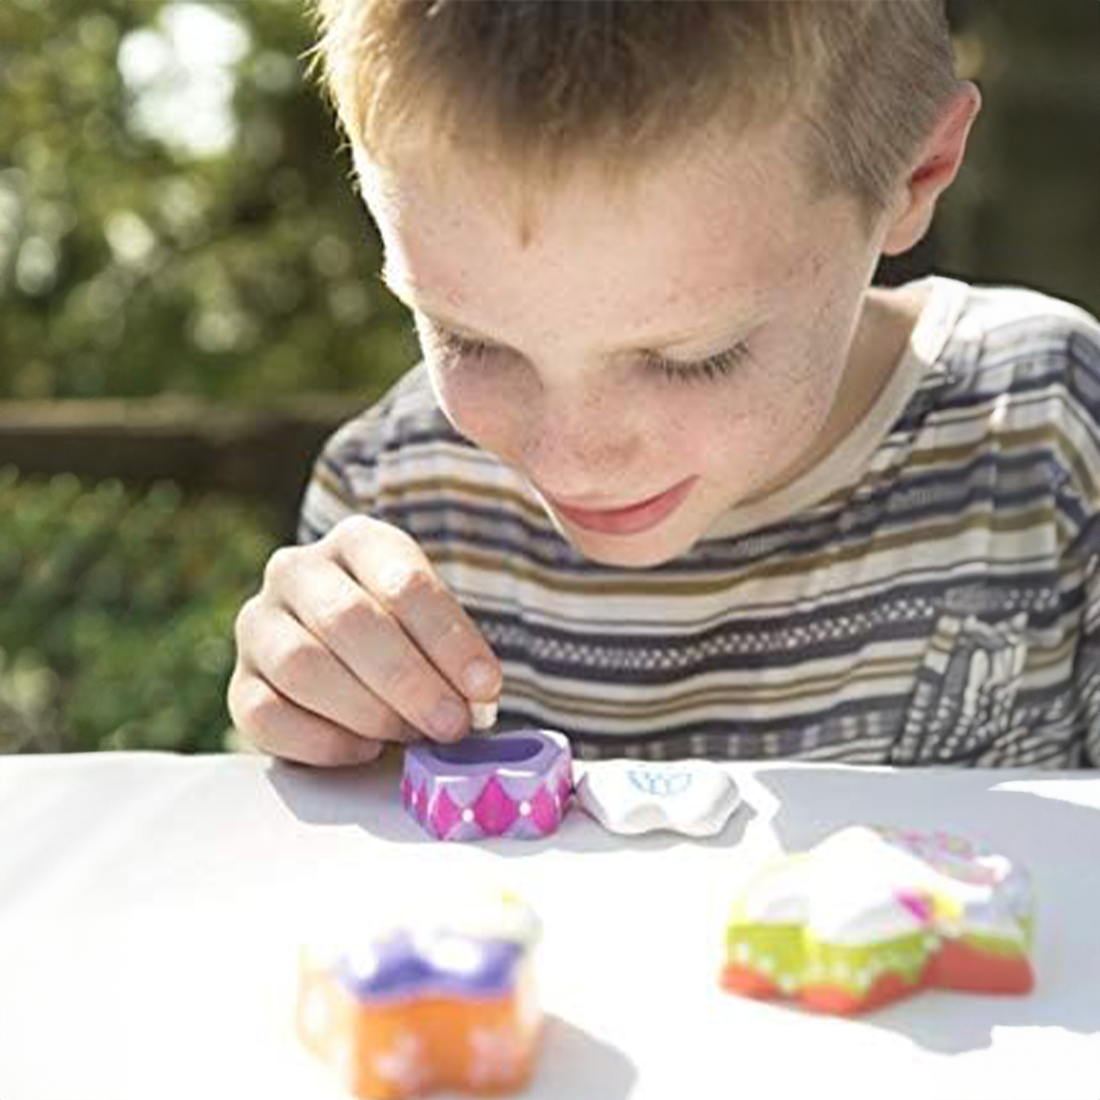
pixel 646 358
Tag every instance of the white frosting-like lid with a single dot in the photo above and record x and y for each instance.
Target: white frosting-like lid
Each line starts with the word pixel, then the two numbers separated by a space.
pixel 864 884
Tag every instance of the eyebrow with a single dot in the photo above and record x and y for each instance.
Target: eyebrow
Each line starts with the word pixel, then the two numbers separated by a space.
pixel 404 293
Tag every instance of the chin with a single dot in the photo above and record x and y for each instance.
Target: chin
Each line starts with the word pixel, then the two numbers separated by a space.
pixel 629 551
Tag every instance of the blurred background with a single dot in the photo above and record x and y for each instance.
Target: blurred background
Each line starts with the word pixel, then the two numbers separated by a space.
pixel 189 303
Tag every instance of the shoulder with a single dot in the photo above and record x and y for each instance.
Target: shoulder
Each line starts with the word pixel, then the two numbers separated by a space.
pixel 1014 396
pixel 1023 337
pixel 1025 366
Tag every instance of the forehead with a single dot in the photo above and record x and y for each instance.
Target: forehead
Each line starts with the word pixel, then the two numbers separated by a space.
pixel 679 235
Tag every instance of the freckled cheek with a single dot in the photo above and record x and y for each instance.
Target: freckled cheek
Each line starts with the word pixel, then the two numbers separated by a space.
pixel 787 412
pixel 690 437
pixel 804 395
pixel 751 429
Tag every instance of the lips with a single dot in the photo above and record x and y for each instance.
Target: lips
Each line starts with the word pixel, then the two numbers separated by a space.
pixel 629 520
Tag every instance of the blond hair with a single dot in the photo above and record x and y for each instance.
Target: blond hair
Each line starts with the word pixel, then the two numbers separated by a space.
pixel 542 83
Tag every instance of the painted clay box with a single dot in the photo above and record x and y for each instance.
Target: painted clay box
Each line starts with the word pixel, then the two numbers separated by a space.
pixel 874 914
pixel 515 784
pixel 401 1008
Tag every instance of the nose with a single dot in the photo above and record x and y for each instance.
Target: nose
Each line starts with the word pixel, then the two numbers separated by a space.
pixel 577 445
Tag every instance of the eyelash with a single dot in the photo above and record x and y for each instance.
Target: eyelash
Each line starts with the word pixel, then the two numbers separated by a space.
pixel 710 369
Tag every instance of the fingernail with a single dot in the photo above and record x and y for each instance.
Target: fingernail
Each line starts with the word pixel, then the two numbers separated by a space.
pixel 479 678
pixel 448 718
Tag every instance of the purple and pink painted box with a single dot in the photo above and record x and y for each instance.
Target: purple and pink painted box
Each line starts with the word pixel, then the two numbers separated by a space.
pixel 516 784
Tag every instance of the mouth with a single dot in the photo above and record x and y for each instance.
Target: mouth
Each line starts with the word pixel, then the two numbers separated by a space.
pixel 630 519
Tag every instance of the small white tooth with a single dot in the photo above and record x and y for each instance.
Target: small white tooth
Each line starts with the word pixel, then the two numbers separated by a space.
pixel 483 716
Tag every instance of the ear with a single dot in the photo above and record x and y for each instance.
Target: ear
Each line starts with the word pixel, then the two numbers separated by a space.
pixel 933 171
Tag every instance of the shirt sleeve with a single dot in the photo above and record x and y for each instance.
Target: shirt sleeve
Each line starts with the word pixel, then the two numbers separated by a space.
pixel 1088 655
pixel 1084 389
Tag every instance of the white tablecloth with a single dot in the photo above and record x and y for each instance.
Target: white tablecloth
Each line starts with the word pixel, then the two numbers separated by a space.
pixel 151 906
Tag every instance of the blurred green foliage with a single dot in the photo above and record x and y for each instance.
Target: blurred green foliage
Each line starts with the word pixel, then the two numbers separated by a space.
pixel 149 244
pixel 116 614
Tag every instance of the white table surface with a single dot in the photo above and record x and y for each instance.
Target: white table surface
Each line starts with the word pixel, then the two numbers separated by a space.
pixel 151 906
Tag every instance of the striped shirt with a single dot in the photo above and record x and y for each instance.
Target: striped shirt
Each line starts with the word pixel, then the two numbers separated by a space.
pixel 929 594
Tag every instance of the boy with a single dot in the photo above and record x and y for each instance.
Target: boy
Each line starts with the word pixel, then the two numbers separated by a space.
pixel 672 476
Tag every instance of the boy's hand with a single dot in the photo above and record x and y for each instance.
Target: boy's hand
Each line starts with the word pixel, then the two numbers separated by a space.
pixel 351 642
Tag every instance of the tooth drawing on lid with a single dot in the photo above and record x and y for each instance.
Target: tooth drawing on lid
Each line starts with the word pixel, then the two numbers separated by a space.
pixel 693 797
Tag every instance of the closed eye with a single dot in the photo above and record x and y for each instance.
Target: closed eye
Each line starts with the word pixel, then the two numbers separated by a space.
pixel 711 369
pixel 454 346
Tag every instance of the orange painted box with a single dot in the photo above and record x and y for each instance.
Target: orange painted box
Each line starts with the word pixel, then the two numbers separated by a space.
pixel 441 1001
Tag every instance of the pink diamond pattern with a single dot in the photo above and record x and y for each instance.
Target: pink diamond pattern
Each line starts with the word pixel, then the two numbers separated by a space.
pixel 494 811
pixel 420 802
pixel 565 787
pixel 544 811
pixel 445 815
pixel 406 792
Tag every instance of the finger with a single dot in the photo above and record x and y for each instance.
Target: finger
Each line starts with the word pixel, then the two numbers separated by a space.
pixel 396 571
pixel 346 621
pixel 294 662
pixel 278 726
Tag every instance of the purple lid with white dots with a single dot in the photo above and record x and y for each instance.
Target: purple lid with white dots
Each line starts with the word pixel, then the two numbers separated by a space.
pixel 414 964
